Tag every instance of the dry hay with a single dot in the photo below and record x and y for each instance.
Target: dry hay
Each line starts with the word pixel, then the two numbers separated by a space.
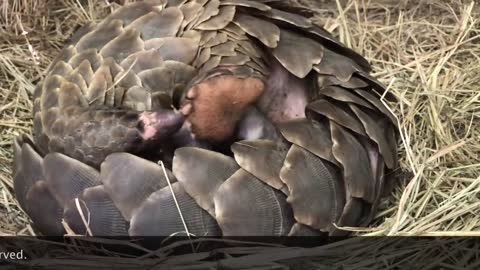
pixel 427 52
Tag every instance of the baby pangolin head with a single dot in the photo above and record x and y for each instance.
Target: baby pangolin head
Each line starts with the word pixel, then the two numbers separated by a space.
pixel 214 107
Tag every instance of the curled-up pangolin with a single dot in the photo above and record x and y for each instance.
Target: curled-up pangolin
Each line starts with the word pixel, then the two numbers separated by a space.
pixel 265 123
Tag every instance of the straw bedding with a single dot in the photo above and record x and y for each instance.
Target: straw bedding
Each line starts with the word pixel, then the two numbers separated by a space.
pixel 428 54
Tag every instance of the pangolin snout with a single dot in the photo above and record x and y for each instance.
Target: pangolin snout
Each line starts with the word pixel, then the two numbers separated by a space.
pixel 160 125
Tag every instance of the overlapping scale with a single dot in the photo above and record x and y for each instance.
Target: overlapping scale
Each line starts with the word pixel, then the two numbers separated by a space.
pixel 311 135
pixel 61 68
pixel 94 213
pixel 378 105
pixel 68 177
pixel 201 172
pixel 262 158
pixel 222 19
pixel 246 206
pixel 337 114
pixel 171 48
pixel 159 215
pixel 374 131
pixel 291 18
pixel 212 8
pixel 351 215
pixel 27 171
pixel 341 94
pixel 130 13
pixel 142 60
pixel 297 53
pixel 317 194
pixel 121 47
pixel 350 153
pixel 191 12
pixel 102 34
pixel 246 3
pixel 44 210
pixel 337 65
pixel 158 24
pixel 129 180
pixel 267 32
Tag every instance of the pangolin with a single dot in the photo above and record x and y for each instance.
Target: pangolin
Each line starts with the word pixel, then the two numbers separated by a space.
pixel 212 117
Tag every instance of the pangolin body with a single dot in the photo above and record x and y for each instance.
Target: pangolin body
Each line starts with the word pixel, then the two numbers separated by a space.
pixel 266 123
